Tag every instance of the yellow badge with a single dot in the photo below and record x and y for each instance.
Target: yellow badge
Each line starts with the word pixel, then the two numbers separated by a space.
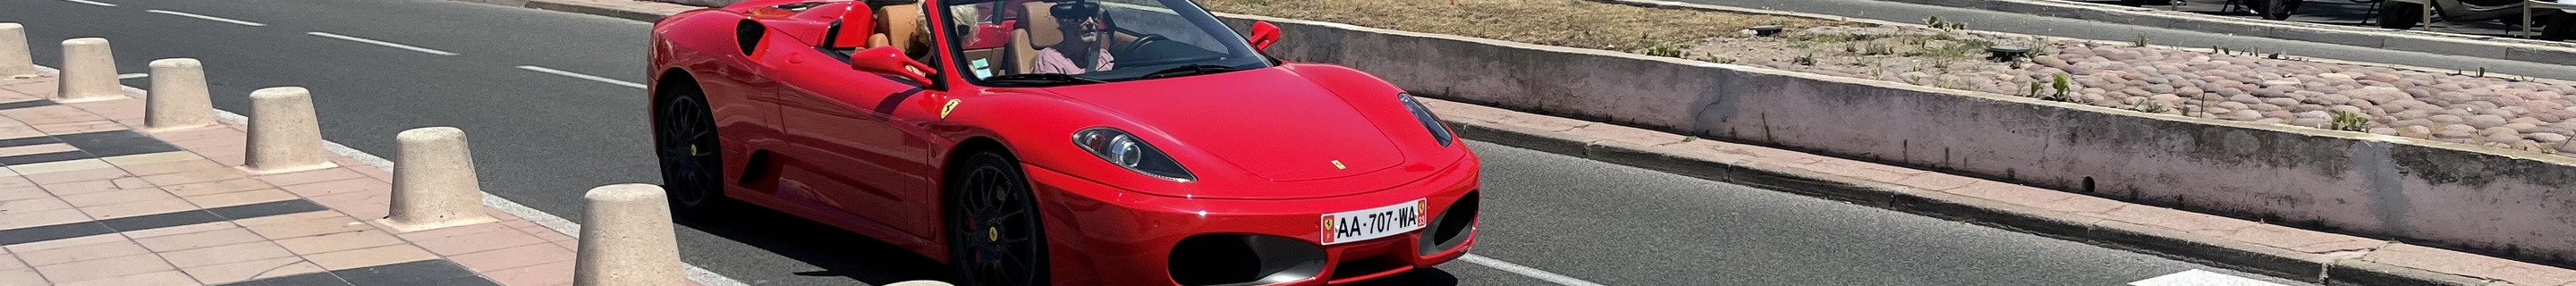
pixel 1337 165
pixel 943 110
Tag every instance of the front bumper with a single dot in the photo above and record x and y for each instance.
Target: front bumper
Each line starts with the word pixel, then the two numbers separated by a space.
pixel 1099 234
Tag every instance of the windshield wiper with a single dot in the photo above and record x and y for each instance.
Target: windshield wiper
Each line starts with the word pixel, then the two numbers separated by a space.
pixel 1042 79
pixel 1190 69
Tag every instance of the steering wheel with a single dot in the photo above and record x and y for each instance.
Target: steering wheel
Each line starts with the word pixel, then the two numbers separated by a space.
pixel 1140 41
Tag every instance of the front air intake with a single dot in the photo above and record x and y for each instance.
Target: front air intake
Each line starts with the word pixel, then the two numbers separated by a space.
pixel 1238 259
pixel 1451 228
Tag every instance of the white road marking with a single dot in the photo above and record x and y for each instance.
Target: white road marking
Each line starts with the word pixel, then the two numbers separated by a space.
pixel 2196 277
pixel 207 18
pixel 133 76
pixel 541 218
pixel 91 2
pixel 382 43
pixel 1525 270
pixel 582 76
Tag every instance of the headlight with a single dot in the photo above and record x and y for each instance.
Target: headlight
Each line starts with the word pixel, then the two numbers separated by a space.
pixel 1127 151
pixel 1429 122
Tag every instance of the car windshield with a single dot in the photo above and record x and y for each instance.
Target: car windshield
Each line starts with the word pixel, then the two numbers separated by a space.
pixel 1065 42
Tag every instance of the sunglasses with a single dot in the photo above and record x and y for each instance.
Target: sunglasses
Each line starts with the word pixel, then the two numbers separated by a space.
pixel 1075 10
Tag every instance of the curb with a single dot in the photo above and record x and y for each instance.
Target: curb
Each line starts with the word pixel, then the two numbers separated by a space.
pixel 2322 269
pixel 2328 269
pixel 2404 40
pixel 646 11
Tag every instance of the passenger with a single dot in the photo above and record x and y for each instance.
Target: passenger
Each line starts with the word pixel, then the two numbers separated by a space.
pixel 1080 22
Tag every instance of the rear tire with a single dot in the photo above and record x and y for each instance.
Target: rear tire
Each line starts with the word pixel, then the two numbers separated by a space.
pixel 2400 15
pixel 685 139
pixel 995 234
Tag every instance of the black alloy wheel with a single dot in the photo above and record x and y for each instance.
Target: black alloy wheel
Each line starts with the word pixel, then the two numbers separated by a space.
pixel 994 232
pixel 685 139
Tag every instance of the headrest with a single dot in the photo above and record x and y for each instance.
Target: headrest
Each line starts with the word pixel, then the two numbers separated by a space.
pixel 901 23
pixel 855 27
pixel 1039 16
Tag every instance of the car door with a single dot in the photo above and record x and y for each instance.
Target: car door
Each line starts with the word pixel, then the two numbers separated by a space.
pixel 845 151
pixel 740 94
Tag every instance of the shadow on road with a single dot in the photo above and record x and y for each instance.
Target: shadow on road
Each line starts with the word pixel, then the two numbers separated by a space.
pixel 849 255
pixel 1420 277
pixel 838 252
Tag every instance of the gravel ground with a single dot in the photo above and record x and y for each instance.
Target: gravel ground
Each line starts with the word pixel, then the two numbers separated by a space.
pixel 2459 107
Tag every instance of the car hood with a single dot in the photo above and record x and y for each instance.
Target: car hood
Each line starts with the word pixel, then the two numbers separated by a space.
pixel 1268 122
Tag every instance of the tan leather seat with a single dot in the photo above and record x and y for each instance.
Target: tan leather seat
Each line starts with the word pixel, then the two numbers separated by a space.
pixel 896 27
pixel 1037 31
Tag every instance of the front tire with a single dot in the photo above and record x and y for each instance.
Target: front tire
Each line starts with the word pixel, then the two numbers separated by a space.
pixel 2400 15
pixel 2275 9
pixel 2559 28
pixel 685 140
pixel 995 236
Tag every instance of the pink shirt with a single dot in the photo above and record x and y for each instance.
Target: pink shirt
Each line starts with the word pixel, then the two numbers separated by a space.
pixel 1051 61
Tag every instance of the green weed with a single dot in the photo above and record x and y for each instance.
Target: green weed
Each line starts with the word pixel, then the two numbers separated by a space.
pixel 1936 22
pixel 1663 48
pixel 2350 121
pixel 2143 105
pixel 2063 85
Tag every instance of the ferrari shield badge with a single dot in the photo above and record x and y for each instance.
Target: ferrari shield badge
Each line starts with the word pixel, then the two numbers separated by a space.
pixel 1337 165
pixel 943 110
pixel 1328 228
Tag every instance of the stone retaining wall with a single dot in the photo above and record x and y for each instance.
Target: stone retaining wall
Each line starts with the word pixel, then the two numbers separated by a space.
pixel 2505 203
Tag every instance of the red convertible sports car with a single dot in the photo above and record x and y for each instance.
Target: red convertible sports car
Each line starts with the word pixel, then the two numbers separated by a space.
pixel 1059 142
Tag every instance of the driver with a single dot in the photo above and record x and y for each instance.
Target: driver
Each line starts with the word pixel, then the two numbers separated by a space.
pixel 1080 52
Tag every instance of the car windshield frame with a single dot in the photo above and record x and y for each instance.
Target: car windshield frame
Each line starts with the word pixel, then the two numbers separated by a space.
pixel 1236 53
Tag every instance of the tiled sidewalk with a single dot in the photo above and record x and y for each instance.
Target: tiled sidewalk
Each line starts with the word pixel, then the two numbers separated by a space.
pixel 88 199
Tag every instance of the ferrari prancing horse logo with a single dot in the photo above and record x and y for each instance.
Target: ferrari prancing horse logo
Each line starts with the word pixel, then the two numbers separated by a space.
pixel 943 110
pixel 1337 165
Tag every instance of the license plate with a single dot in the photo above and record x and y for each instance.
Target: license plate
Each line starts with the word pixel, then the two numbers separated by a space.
pixel 1374 223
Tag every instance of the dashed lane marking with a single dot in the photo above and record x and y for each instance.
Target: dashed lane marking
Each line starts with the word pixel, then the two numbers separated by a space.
pixel 582 76
pixel 381 43
pixel 1499 264
pixel 204 17
pixel 2197 277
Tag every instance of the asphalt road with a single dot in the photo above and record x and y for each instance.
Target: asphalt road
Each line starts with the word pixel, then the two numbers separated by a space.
pixel 2074 28
pixel 2343 12
pixel 541 139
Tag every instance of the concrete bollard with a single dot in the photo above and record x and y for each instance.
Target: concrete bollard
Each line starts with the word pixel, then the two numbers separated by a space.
pixel 178 97
pixel 434 183
pixel 89 72
pixel 283 134
pixel 15 58
pixel 626 238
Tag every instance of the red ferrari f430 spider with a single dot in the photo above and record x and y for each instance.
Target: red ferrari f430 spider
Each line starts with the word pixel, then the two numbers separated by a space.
pixel 1059 142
